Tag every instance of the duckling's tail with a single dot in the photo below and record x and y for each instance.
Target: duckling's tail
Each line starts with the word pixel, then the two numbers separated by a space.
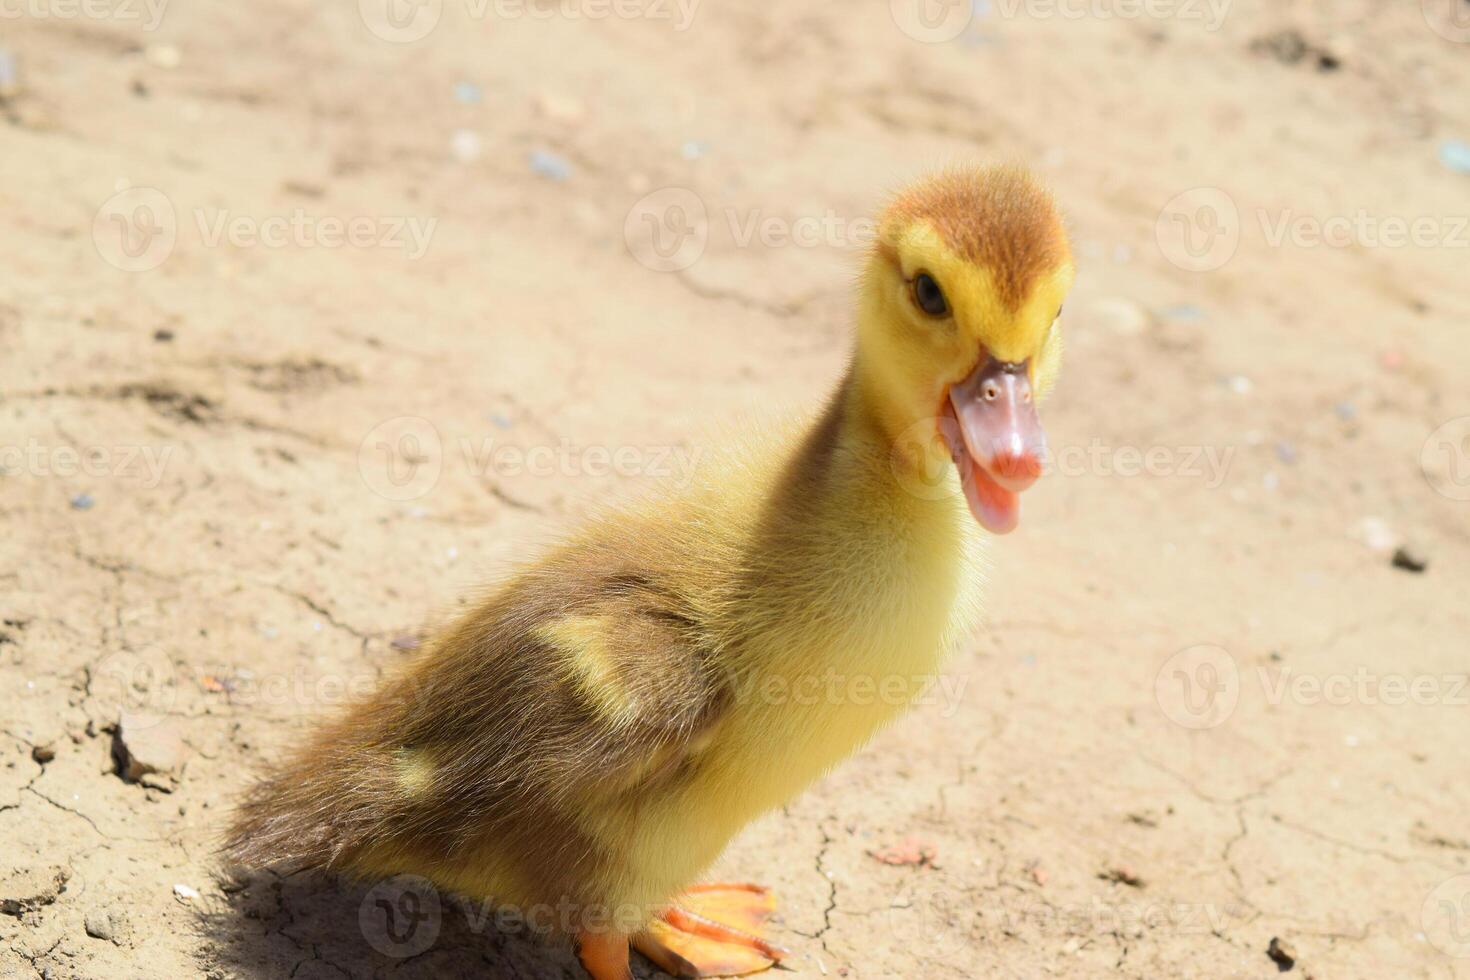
pixel 313 811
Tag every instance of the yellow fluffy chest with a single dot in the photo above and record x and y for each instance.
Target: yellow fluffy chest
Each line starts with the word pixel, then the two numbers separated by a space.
pixel 817 683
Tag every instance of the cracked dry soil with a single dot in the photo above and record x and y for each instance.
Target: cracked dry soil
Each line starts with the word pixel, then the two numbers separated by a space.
pixel 238 558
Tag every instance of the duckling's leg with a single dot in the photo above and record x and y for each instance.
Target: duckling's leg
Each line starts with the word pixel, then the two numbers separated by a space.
pixel 712 931
pixel 604 955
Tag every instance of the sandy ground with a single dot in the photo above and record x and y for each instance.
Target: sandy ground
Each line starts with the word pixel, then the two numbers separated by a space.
pixel 314 318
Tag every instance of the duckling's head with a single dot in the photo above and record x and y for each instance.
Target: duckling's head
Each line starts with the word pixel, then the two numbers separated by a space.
pixel 958 336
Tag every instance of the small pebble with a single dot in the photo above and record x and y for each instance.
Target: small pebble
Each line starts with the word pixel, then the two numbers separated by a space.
pixel 1346 411
pixel 185 892
pixel 1455 154
pixel 165 56
pixel 1286 452
pixel 144 745
pixel 1409 560
pixel 465 145
pixel 9 75
pixel 1376 534
pixel 28 888
pixel 1282 953
pixel 693 149
pixel 405 642
pixel 559 108
pixel 82 501
pixel 1122 875
pixel 103 924
pixel 467 93
pixel 1121 316
pixel 1240 384
pixel 163 336
pixel 1187 312
pixel 43 754
pixel 551 165
pixel 909 852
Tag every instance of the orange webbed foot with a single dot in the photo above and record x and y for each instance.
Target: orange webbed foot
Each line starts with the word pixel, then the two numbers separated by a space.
pixel 714 930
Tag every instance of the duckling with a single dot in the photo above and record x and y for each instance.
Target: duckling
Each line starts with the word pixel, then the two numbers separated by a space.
pixel 586 740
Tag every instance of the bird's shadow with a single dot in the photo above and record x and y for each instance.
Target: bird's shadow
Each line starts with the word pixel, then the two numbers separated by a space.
pixel 311 926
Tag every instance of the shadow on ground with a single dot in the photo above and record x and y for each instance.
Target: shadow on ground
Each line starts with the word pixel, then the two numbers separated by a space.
pixel 309 926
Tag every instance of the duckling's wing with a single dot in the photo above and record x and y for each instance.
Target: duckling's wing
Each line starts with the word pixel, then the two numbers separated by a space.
pixel 580 684
pixel 575 686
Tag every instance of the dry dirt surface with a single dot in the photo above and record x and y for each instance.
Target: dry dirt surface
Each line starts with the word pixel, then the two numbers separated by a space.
pixel 314 318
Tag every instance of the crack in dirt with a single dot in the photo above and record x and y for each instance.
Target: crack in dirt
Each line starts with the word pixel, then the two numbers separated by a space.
pixel 322 611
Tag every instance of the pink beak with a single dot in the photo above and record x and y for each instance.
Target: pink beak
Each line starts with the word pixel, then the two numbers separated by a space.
pixel 999 447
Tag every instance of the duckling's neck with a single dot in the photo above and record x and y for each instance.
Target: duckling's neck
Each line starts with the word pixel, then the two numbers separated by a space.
pixel 852 569
pixel 855 508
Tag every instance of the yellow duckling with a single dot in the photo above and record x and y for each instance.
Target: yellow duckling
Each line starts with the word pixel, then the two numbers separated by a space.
pixel 582 744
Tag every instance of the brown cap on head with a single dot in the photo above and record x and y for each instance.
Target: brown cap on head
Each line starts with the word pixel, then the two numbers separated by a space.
pixel 997 217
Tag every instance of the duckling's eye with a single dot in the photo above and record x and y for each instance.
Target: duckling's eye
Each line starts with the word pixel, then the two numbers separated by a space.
pixel 929 296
